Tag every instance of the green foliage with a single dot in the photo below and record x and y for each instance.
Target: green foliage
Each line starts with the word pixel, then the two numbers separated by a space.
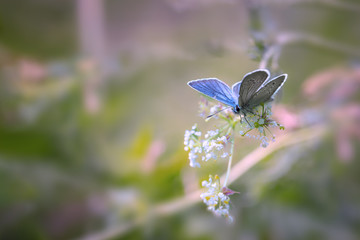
pixel 140 144
pixel 40 29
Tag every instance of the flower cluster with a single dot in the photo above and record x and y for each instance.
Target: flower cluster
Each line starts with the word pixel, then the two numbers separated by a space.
pixel 260 121
pixel 255 125
pixel 216 198
pixel 211 147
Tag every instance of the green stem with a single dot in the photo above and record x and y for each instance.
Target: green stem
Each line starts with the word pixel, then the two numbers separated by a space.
pixel 246 132
pixel 230 160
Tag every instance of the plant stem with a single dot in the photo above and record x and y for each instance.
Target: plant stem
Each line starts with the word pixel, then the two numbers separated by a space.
pixel 179 204
pixel 267 56
pixel 230 160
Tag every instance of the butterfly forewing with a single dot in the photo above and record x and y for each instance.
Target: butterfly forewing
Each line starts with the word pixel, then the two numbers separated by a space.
pixel 250 84
pixel 215 89
pixel 266 92
pixel 236 89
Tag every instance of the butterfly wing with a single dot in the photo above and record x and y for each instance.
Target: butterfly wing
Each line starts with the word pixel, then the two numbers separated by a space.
pixel 250 84
pixel 215 89
pixel 266 92
pixel 236 89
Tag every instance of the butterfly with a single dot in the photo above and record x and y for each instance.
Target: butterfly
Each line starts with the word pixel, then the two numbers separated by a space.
pixel 253 90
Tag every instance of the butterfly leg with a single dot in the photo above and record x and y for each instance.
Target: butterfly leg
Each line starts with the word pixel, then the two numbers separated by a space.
pixel 246 120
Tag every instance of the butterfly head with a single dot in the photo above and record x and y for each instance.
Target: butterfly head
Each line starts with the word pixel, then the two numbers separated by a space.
pixel 236 109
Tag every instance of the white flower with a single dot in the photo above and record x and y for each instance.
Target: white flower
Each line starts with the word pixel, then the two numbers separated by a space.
pixel 215 199
pixel 261 129
pixel 264 144
pixel 192 158
pixel 211 133
pixel 212 147
pixel 258 125
pixel 191 142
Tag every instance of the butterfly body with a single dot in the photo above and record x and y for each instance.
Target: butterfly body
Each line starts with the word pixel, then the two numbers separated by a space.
pixel 253 90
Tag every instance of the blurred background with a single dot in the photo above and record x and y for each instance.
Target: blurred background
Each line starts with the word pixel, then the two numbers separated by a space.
pixel 94 105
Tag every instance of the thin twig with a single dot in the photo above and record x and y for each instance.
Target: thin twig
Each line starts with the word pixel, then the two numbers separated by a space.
pixel 346 5
pixel 286 38
pixel 269 53
pixel 340 4
pixel 114 231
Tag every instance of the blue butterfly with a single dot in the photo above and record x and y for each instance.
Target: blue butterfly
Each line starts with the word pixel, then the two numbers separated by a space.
pixel 254 89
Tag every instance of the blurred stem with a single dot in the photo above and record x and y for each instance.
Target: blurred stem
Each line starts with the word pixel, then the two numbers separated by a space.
pixel 286 38
pixel 92 41
pixel 239 169
pixel 271 55
pixel 346 5
pixel 230 161
pixel 340 4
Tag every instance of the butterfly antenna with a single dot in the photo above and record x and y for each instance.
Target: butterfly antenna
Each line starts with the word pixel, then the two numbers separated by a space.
pixel 210 116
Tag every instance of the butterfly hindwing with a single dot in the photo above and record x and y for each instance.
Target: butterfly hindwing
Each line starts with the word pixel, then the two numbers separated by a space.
pixel 266 92
pixel 250 84
pixel 215 89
